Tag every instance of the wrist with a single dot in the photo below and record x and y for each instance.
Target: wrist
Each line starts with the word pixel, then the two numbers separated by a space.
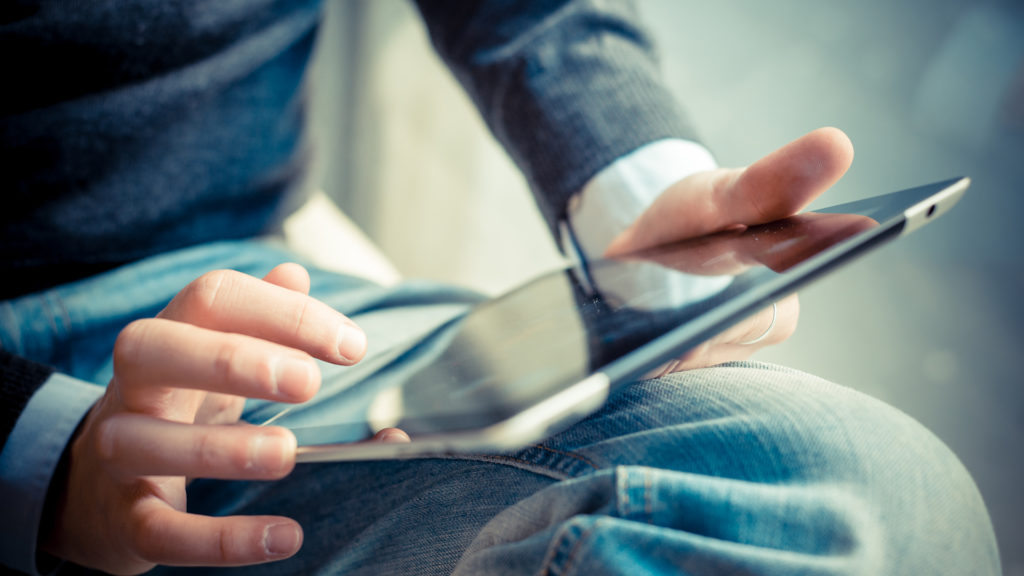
pixel 614 198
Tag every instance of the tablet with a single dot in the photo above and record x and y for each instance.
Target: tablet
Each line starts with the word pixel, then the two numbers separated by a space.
pixel 527 364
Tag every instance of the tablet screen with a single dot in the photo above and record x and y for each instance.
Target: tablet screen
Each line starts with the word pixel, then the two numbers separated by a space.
pixel 511 352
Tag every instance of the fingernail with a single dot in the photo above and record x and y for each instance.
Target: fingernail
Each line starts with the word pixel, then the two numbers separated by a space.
pixel 282 539
pixel 293 376
pixel 392 435
pixel 271 452
pixel 351 343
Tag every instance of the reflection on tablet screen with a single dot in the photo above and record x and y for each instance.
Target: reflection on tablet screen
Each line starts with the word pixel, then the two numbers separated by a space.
pixel 510 352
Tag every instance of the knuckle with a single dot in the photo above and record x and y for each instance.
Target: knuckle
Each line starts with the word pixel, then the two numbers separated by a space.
pixel 240 372
pixel 240 455
pixel 224 545
pixel 202 295
pixel 231 546
pixel 301 319
pixel 105 444
pixel 207 452
pixel 301 324
pixel 228 362
pixel 129 343
pixel 309 322
pixel 266 378
pixel 222 454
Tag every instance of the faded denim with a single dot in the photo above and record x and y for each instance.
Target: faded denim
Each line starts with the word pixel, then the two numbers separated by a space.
pixel 744 468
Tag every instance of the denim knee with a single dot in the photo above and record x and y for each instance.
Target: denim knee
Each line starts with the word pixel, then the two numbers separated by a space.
pixel 747 467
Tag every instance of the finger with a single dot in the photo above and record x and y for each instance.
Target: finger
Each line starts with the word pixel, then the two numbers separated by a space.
pixel 155 354
pixel 132 445
pixel 787 180
pixel 230 301
pixel 291 276
pixel 776 186
pixel 767 327
pixel 776 327
pixel 391 435
pixel 163 535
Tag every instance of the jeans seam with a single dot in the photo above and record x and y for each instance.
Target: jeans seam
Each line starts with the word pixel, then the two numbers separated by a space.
pixel 568 566
pixel 530 464
pixel 583 459
pixel 566 532
pixel 527 465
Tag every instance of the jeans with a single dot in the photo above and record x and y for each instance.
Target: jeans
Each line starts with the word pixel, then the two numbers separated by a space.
pixel 744 468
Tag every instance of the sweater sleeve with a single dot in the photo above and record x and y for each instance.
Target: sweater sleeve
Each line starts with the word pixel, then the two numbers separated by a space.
pixel 40 413
pixel 566 86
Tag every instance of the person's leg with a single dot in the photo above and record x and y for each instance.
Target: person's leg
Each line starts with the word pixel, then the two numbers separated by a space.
pixel 744 469
pixel 735 469
pixel 738 469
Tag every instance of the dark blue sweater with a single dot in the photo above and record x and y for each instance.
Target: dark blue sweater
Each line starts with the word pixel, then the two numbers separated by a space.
pixel 134 127
pixel 131 127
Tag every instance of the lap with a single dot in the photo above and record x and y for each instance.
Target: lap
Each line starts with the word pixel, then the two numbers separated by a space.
pixel 746 467
pixel 749 468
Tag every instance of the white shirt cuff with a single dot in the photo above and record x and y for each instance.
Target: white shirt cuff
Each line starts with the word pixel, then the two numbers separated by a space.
pixel 619 193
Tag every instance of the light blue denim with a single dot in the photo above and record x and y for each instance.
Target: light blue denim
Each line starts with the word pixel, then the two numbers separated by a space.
pixel 744 468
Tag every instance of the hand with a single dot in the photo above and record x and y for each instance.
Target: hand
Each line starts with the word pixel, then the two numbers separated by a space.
pixel 776 186
pixel 171 412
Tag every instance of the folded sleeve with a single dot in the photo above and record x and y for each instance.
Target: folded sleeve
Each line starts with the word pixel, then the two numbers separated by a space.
pixel 566 86
pixel 52 405
pixel 620 192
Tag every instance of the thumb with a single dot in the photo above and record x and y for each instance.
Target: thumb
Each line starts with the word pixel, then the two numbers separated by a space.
pixel 776 186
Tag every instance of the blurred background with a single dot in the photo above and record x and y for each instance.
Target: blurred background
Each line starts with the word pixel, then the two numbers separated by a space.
pixel 926 89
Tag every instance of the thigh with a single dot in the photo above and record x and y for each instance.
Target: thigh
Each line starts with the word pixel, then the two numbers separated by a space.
pixel 743 468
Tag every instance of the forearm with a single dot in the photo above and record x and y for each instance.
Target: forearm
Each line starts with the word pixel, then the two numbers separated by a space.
pixel 566 87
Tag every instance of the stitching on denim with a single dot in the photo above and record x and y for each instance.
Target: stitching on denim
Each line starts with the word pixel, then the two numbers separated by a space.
pixel 583 459
pixel 528 465
pixel 568 566
pixel 549 557
pixel 503 458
